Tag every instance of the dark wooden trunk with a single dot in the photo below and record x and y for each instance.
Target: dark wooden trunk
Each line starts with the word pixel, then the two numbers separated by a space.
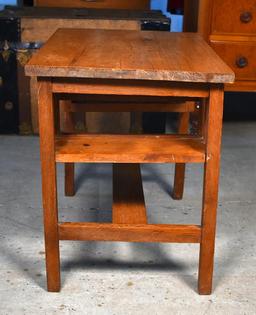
pixel 22 31
pixel 9 114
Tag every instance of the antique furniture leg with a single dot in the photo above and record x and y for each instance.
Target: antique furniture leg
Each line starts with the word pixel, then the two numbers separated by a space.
pixel 179 177
pixel 201 120
pixel 210 190
pixel 68 126
pixel 69 179
pixel 136 122
pixel 67 119
pixel 49 187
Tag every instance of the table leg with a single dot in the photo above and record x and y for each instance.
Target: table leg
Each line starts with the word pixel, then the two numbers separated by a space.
pixel 49 187
pixel 67 119
pixel 179 177
pixel 214 112
pixel 136 123
pixel 69 179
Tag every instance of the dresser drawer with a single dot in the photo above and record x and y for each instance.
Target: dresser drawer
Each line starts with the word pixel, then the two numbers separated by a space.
pixel 234 16
pixel 239 56
pixel 107 4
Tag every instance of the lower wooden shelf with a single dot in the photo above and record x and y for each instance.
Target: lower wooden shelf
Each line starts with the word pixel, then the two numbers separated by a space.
pixel 129 149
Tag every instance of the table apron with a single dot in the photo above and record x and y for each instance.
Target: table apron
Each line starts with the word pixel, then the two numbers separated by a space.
pixel 130 87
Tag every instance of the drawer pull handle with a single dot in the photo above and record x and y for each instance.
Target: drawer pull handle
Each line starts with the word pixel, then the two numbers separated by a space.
pixel 242 62
pixel 246 17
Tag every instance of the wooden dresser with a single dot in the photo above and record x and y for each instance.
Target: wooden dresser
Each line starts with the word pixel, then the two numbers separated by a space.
pixel 230 28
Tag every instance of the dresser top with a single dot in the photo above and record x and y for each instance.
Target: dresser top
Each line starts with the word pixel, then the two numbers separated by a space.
pixel 117 54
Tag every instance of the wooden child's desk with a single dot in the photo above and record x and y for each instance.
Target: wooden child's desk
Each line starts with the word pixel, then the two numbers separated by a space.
pixel 130 63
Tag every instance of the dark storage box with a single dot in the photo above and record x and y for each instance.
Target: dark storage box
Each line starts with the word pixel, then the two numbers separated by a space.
pixel 23 30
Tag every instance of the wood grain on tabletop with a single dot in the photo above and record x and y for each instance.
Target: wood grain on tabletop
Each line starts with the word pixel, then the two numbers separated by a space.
pixel 129 55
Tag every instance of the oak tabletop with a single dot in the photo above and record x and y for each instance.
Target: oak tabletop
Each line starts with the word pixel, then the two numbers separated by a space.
pixel 122 54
